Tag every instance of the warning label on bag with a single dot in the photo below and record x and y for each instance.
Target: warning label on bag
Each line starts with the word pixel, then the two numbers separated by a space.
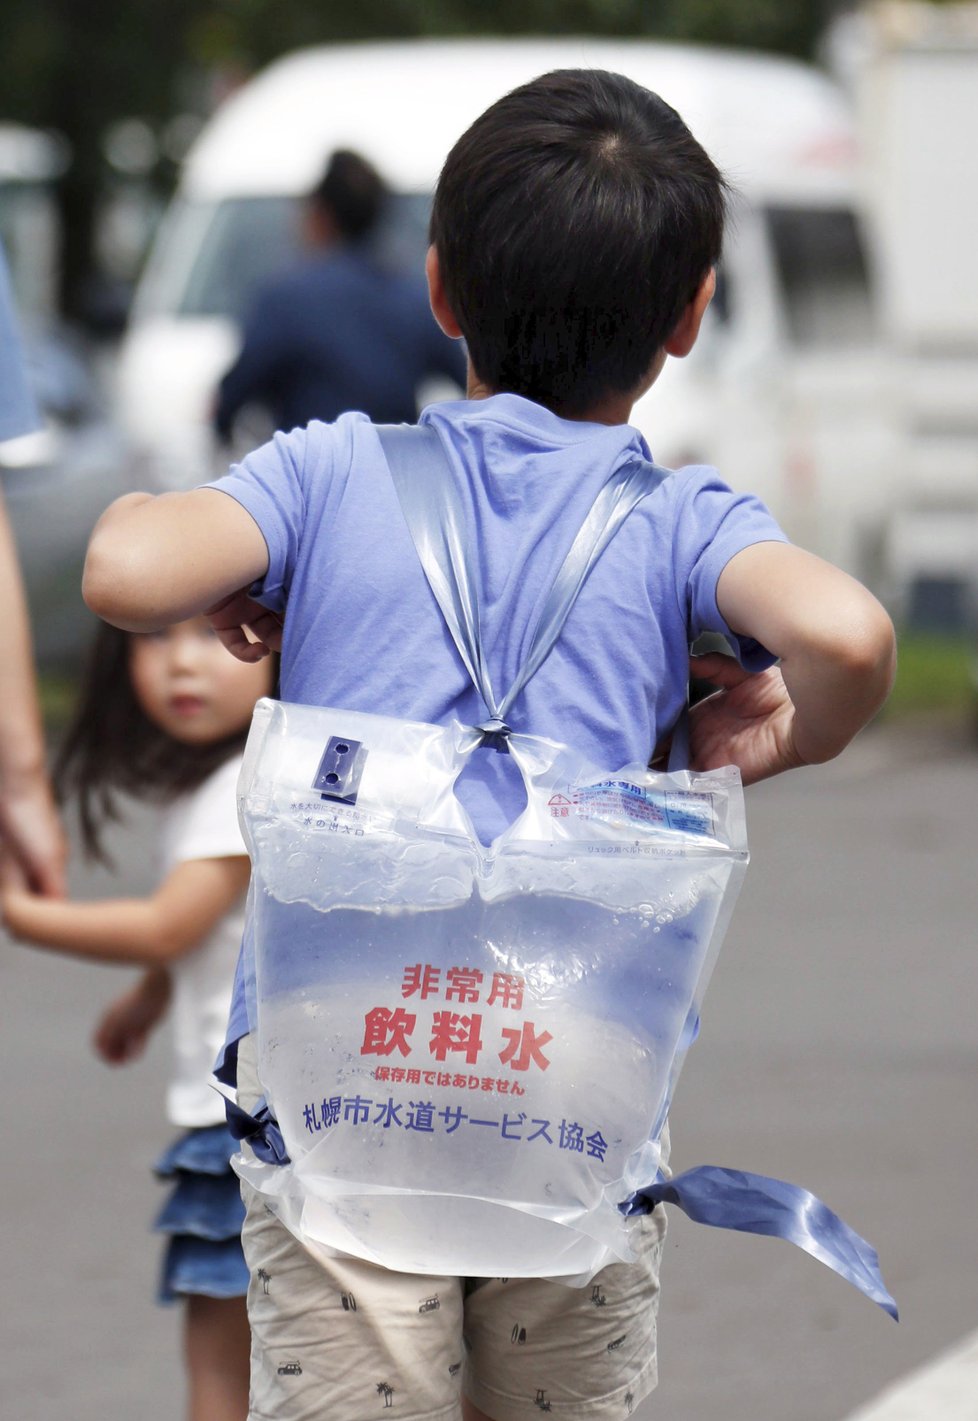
pixel 622 801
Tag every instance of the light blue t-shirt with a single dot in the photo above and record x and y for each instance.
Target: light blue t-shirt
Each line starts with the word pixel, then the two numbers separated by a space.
pixel 18 412
pixel 363 631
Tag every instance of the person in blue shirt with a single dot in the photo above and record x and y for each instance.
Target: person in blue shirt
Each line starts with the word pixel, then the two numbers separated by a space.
pixel 340 330
pixel 575 233
pixel 32 844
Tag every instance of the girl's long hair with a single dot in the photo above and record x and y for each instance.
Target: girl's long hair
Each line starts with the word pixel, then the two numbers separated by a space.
pixel 112 748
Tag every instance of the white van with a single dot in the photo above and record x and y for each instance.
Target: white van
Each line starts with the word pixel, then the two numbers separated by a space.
pixel 784 390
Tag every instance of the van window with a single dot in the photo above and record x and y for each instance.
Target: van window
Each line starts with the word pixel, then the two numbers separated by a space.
pixel 821 262
pixel 246 240
pixel 215 256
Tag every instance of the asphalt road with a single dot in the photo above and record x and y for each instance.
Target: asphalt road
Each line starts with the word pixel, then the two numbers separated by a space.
pixel 839 1050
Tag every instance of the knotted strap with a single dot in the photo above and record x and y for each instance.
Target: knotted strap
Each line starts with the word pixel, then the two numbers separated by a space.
pixel 259 1129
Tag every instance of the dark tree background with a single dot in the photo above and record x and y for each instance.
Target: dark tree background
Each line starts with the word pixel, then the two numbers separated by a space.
pixel 76 66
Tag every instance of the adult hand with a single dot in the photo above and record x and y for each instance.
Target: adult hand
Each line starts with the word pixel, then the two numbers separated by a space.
pixel 33 848
pixel 248 630
pixel 748 721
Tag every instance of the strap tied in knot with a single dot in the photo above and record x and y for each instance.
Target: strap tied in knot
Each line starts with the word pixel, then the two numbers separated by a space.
pixel 495 733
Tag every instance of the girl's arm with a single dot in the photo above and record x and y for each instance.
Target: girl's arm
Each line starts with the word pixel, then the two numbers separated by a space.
pixel 837 653
pixel 155 561
pixel 123 1028
pixel 148 932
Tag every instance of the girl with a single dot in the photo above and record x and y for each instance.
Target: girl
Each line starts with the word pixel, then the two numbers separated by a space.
pixel 164 716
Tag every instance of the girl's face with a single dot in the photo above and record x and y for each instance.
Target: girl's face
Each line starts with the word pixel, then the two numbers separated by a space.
pixel 190 686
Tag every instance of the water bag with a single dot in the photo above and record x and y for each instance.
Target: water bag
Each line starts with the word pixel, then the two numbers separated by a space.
pixel 470 1051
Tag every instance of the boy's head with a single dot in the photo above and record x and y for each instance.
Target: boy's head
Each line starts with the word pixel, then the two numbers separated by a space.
pixel 574 222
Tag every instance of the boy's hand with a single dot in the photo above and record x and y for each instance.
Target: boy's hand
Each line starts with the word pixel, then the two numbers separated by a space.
pixel 248 630
pixel 748 721
pixel 125 1025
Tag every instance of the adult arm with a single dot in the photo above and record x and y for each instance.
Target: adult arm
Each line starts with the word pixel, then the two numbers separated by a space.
pixel 34 848
pixel 147 932
pixel 33 845
pixel 837 654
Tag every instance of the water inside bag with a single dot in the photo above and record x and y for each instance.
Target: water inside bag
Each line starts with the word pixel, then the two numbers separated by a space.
pixel 470 1052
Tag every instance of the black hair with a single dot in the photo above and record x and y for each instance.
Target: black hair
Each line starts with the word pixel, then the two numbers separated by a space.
pixel 111 747
pixel 353 193
pixel 574 222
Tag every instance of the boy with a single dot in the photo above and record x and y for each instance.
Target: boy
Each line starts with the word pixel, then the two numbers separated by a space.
pixel 575 230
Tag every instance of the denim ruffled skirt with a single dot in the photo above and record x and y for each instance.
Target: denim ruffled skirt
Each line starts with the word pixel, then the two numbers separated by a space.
pixel 202 1217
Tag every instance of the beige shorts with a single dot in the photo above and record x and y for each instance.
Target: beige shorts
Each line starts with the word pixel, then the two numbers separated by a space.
pixel 347 1341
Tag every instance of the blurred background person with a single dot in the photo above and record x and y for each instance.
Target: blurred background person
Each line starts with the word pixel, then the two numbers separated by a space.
pixel 32 845
pixel 339 331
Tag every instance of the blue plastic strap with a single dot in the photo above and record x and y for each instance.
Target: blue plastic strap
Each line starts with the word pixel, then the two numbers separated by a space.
pixel 616 499
pixel 424 479
pixel 260 1130
pixel 753 1203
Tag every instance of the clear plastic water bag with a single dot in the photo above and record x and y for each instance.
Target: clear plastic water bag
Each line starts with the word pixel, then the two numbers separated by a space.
pixel 470 1050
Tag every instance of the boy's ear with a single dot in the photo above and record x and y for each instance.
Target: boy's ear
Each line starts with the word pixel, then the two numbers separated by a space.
pixel 440 308
pixel 687 328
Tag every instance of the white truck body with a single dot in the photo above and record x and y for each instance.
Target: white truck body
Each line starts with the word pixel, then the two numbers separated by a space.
pixel 913 72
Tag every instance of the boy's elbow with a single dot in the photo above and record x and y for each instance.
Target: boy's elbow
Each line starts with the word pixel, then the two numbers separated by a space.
pixel 869 649
pixel 98 582
pixel 114 576
pixel 107 586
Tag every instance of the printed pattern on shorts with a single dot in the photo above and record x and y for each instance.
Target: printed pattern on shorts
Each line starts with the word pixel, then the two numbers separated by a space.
pixel 606 1362
pixel 370 1342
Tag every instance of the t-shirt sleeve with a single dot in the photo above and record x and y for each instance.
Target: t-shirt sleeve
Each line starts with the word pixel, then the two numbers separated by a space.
pixel 714 524
pixel 210 829
pixel 269 483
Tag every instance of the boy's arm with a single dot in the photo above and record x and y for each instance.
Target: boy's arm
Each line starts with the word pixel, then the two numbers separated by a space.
pixel 148 932
pixel 155 561
pixel 837 654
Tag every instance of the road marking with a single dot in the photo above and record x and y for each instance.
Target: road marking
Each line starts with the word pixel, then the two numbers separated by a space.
pixel 945 1389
